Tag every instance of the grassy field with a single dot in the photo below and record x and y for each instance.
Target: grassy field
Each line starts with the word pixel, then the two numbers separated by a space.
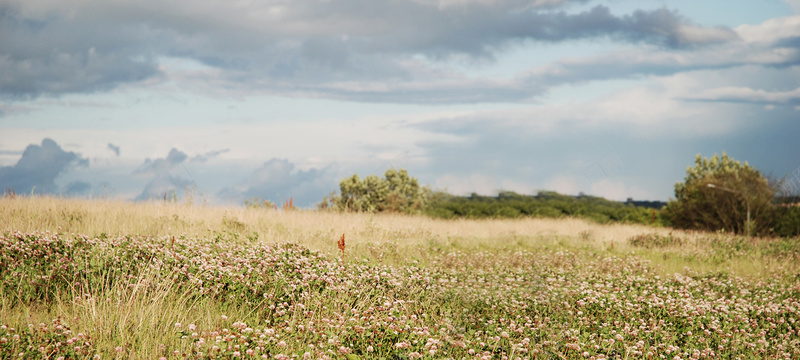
pixel 118 280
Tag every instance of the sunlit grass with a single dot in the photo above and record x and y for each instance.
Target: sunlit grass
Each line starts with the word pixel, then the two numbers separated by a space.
pixel 149 280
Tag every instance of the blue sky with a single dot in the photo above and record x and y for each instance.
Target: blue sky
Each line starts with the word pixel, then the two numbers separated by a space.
pixel 280 99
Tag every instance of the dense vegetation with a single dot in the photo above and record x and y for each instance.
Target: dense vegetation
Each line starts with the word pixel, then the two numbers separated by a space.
pixel 158 280
pixel 717 194
pixel 132 297
pixel 398 192
pixel 544 204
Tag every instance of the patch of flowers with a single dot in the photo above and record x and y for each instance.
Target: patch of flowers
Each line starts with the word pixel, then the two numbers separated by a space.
pixel 44 341
pixel 475 304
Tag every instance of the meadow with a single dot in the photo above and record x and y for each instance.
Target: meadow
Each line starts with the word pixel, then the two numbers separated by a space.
pixel 101 279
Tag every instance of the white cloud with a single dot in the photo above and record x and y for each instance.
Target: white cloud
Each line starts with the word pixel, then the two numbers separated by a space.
pixel 771 30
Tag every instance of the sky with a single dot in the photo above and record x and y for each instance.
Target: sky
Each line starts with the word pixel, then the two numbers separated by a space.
pixel 221 101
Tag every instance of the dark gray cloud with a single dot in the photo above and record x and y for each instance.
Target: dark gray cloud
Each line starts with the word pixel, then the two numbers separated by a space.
pixel 53 54
pixel 77 188
pixel 278 180
pixel 113 148
pixel 349 49
pixel 749 95
pixel 39 167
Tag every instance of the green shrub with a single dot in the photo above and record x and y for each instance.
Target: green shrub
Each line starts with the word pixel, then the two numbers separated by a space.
pixel 723 194
pixel 396 192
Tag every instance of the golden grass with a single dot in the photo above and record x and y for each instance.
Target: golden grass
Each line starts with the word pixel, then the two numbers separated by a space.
pixel 390 238
pixel 115 217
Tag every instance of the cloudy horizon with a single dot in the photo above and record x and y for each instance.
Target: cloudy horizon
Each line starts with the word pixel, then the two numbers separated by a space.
pixel 274 99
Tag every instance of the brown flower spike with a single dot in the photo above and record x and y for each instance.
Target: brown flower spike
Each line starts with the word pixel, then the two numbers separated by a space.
pixel 341 247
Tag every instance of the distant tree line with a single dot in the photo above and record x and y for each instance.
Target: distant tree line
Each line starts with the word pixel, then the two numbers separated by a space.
pixel 717 194
pixel 398 192
pixel 546 204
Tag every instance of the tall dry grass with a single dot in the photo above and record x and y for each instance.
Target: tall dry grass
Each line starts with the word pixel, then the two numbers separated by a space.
pixel 158 218
pixel 390 238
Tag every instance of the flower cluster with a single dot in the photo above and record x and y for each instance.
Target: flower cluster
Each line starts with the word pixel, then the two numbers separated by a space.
pixel 462 304
pixel 44 341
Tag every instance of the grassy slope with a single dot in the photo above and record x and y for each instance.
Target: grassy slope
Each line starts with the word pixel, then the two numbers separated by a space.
pixel 397 268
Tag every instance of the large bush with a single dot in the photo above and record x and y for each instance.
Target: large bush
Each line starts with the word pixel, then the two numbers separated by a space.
pixel 396 192
pixel 716 194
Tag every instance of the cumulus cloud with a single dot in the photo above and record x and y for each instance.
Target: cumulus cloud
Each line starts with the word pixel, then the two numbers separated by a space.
pixel 278 180
pixel 162 182
pixel 39 167
pixel 161 165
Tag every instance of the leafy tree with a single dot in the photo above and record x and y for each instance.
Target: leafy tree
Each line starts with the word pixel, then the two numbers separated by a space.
pixel 717 193
pixel 396 192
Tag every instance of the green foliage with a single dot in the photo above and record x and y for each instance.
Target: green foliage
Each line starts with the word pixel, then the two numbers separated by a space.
pixel 787 221
pixel 396 192
pixel 716 195
pixel 545 204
